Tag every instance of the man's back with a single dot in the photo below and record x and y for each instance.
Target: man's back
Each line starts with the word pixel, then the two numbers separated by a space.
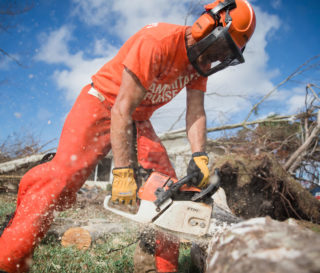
pixel 157 56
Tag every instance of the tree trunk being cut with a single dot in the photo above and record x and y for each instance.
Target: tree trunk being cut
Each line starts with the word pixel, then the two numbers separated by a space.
pixel 264 245
pixel 255 186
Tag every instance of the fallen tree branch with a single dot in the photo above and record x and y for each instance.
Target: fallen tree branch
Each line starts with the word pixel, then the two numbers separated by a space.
pixel 298 71
pixel 10 176
pixel 3 52
pixel 235 125
pixel 121 248
pixel 297 156
pixel 19 163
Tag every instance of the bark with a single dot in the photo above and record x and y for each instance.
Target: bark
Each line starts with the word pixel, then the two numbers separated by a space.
pixel 19 163
pixel 264 245
pixel 298 155
pixel 181 132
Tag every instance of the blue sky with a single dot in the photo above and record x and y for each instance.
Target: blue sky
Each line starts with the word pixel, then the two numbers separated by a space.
pixel 60 44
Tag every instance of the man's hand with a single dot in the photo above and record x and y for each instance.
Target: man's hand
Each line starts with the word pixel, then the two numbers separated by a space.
pixel 199 164
pixel 124 186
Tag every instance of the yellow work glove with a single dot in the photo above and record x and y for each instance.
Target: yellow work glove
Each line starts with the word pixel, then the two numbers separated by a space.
pixel 124 186
pixel 199 164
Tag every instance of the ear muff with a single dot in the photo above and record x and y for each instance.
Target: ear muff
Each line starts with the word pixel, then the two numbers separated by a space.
pixel 203 26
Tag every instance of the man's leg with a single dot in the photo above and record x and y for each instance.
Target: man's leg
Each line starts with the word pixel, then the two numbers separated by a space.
pixel 143 259
pixel 167 252
pixel 53 185
pixel 153 155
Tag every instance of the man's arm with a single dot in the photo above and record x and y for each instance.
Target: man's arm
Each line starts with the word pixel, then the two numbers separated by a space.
pixel 196 120
pixel 130 95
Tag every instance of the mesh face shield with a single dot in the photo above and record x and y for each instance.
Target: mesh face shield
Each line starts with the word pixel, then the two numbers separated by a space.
pixel 215 52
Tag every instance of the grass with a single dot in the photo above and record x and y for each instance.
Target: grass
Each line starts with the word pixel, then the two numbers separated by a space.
pixel 51 257
pixel 5 209
pixel 95 259
pixel 100 257
pixel 185 263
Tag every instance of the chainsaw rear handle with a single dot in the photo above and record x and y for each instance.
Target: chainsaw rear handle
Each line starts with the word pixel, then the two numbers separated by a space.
pixel 163 195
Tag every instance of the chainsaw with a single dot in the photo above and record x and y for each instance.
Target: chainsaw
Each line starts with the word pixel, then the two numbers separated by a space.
pixel 172 205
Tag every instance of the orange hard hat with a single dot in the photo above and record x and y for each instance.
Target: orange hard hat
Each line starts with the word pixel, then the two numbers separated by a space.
pixel 243 20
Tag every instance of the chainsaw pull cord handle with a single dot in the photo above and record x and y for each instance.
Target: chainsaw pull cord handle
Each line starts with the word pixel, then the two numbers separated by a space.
pixel 162 195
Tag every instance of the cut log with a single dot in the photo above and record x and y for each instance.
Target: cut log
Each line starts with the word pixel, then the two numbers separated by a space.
pixel 82 236
pixel 19 163
pixel 264 245
pixel 78 237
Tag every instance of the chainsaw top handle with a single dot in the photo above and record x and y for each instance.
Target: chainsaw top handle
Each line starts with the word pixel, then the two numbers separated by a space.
pixel 214 184
pixel 163 195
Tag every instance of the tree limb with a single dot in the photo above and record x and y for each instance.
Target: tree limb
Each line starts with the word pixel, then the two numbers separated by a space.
pixel 298 71
pixel 297 155
pixel 242 124
pixel 10 56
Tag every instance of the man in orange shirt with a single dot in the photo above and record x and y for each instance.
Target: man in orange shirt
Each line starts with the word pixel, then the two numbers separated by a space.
pixel 152 67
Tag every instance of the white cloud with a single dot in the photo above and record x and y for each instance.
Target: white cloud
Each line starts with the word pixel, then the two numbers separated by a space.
pixel 78 70
pixel 123 18
pixel 73 79
pixel 294 99
pixel 54 49
pixel 93 12
pixel 138 13
pixel 276 4
pixel 101 47
pixel 296 103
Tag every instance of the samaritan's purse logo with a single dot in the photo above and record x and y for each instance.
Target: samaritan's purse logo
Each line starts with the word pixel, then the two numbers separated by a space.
pixel 163 92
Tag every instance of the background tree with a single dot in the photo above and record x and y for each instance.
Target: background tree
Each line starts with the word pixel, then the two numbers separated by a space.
pixel 9 10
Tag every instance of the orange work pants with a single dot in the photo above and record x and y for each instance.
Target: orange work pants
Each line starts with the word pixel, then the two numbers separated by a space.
pixel 85 139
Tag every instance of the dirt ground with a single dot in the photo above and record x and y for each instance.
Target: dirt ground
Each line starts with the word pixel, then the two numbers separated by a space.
pixel 89 205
